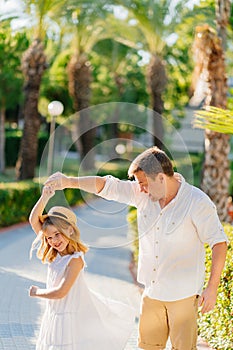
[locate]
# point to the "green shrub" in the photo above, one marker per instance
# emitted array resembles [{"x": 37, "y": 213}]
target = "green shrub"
[
  {"x": 215, "y": 327},
  {"x": 12, "y": 145},
  {"x": 133, "y": 231},
  {"x": 16, "y": 201},
  {"x": 18, "y": 198},
  {"x": 11, "y": 148},
  {"x": 121, "y": 173}
]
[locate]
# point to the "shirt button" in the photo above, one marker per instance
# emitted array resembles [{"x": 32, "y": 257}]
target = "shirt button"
[
  {"x": 153, "y": 281},
  {"x": 156, "y": 256},
  {"x": 144, "y": 216},
  {"x": 154, "y": 269},
  {"x": 157, "y": 228},
  {"x": 157, "y": 242}
]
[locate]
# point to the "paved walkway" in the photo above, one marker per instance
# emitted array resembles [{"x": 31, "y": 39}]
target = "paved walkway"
[{"x": 103, "y": 226}]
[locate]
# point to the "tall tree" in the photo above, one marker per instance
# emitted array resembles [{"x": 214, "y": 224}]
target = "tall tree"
[
  {"x": 88, "y": 24},
  {"x": 11, "y": 48},
  {"x": 210, "y": 69},
  {"x": 117, "y": 77},
  {"x": 156, "y": 20},
  {"x": 33, "y": 66},
  {"x": 223, "y": 12}
]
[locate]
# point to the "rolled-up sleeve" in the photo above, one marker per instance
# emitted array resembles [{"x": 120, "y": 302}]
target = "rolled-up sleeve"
[
  {"x": 122, "y": 191},
  {"x": 207, "y": 223}
]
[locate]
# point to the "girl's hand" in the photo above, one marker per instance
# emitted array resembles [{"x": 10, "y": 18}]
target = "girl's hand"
[
  {"x": 48, "y": 192},
  {"x": 32, "y": 291}
]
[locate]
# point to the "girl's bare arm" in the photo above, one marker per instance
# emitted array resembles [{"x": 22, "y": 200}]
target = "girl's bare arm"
[
  {"x": 38, "y": 209},
  {"x": 72, "y": 271}
]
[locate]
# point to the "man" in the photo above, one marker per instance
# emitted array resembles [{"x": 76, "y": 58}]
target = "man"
[{"x": 175, "y": 220}]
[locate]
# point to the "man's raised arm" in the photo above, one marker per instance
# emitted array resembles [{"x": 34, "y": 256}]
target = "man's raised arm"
[{"x": 92, "y": 184}]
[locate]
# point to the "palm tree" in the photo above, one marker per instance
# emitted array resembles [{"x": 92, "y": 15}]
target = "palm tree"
[
  {"x": 33, "y": 66},
  {"x": 210, "y": 66},
  {"x": 89, "y": 25},
  {"x": 155, "y": 20},
  {"x": 223, "y": 11}
]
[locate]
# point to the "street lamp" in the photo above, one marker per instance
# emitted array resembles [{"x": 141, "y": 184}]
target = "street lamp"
[{"x": 55, "y": 108}]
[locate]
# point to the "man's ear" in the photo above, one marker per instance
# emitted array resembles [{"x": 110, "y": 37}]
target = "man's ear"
[{"x": 161, "y": 177}]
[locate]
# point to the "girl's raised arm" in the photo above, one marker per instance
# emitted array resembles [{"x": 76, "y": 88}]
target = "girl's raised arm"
[{"x": 38, "y": 209}]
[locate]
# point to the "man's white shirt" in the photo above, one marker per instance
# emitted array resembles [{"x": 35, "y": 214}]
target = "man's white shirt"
[{"x": 171, "y": 262}]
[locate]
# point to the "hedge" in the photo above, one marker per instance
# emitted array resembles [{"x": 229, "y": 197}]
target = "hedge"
[
  {"x": 18, "y": 198},
  {"x": 16, "y": 201},
  {"x": 12, "y": 145},
  {"x": 216, "y": 327}
]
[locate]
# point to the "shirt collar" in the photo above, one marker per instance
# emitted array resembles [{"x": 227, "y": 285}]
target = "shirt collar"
[{"x": 182, "y": 181}]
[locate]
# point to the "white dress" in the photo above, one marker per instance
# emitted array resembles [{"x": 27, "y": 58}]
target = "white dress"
[{"x": 82, "y": 320}]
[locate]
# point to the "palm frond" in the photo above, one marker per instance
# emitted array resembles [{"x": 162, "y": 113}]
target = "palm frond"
[
  {"x": 215, "y": 119},
  {"x": 151, "y": 17}
]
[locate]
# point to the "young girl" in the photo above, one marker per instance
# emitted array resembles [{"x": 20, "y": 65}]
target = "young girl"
[{"x": 75, "y": 317}]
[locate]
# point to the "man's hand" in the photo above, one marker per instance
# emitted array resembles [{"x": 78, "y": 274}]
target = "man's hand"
[
  {"x": 207, "y": 300},
  {"x": 57, "y": 181}
]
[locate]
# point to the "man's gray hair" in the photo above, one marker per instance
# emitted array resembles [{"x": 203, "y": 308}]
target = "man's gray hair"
[{"x": 151, "y": 162}]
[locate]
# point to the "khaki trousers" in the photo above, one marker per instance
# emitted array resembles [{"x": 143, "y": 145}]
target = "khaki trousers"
[{"x": 159, "y": 320}]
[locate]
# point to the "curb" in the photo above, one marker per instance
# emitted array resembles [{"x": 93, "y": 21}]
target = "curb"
[{"x": 13, "y": 227}]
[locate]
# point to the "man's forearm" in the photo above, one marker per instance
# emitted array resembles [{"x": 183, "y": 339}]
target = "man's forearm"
[
  {"x": 218, "y": 260},
  {"x": 92, "y": 184}
]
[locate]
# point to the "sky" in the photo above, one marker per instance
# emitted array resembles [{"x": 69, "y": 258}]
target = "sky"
[{"x": 15, "y": 6}]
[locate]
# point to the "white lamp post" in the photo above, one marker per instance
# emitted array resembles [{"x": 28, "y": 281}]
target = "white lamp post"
[{"x": 55, "y": 108}]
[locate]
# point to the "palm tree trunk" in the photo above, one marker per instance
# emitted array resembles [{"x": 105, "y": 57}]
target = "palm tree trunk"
[
  {"x": 79, "y": 72},
  {"x": 216, "y": 173},
  {"x": 33, "y": 66},
  {"x": 223, "y": 10},
  {"x": 157, "y": 81}
]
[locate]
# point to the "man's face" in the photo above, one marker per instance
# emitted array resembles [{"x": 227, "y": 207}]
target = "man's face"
[{"x": 153, "y": 186}]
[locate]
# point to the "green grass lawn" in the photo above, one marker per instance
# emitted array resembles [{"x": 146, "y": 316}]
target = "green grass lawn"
[
  {"x": 190, "y": 167},
  {"x": 8, "y": 176}
]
